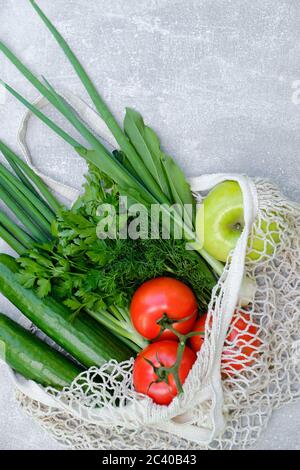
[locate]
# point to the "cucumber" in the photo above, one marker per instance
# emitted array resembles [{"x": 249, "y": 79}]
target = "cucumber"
[
  {"x": 82, "y": 337},
  {"x": 34, "y": 359}
]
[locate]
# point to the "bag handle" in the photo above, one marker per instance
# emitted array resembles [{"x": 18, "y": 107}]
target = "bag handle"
[
  {"x": 90, "y": 118},
  {"x": 66, "y": 191}
]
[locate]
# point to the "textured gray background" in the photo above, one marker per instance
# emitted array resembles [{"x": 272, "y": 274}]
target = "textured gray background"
[{"x": 219, "y": 80}]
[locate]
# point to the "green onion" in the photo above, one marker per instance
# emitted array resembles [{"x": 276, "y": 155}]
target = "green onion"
[
  {"x": 107, "y": 162},
  {"x": 9, "y": 201},
  {"x": 45, "y": 212},
  {"x": 22, "y": 177},
  {"x": 25, "y": 203},
  {"x": 11, "y": 241},
  {"x": 34, "y": 178},
  {"x": 133, "y": 157},
  {"x": 42, "y": 116},
  {"x": 16, "y": 231}
]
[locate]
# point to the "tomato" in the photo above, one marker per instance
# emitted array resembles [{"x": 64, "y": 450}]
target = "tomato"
[
  {"x": 243, "y": 332},
  {"x": 241, "y": 344},
  {"x": 197, "y": 341},
  {"x": 163, "y": 296},
  {"x": 146, "y": 378},
  {"x": 233, "y": 362}
]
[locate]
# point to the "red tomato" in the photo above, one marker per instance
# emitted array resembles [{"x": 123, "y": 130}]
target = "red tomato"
[
  {"x": 233, "y": 362},
  {"x": 243, "y": 332},
  {"x": 161, "y": 354},
  {"x": 163, "y": 295},
  {"x": 197, "y": 340},
  {"x": 241, "y": 344}
]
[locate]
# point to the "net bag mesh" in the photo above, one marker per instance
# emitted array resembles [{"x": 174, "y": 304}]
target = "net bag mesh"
[{"x": 228, "y": 396}]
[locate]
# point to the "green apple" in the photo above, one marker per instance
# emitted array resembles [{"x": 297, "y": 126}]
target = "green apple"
[
  {"x": 264, "y": 240},
  {"x": 221, "y": 221}
]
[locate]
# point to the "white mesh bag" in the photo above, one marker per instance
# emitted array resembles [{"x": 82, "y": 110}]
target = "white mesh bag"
[{"x": 226, "y": 403}]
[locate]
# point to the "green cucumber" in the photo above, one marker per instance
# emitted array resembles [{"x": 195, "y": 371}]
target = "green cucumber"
[
  {"x": 34, "y": 359},
  {"x": 82, "y": 337}
]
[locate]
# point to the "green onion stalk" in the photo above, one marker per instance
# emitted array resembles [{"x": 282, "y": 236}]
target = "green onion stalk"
[{"x": 29, "y": 200}]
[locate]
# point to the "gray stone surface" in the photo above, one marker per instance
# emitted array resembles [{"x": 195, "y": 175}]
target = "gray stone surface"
[{"x": 219, "y": 80}]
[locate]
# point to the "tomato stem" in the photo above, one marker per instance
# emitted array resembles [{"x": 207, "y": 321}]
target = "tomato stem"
[{"x": 162, "y": 371}]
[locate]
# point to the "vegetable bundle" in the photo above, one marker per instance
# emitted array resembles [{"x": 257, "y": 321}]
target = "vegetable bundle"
[
  {"x": 72, "y": 283},
  {"x": 94, "y": 278}
]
